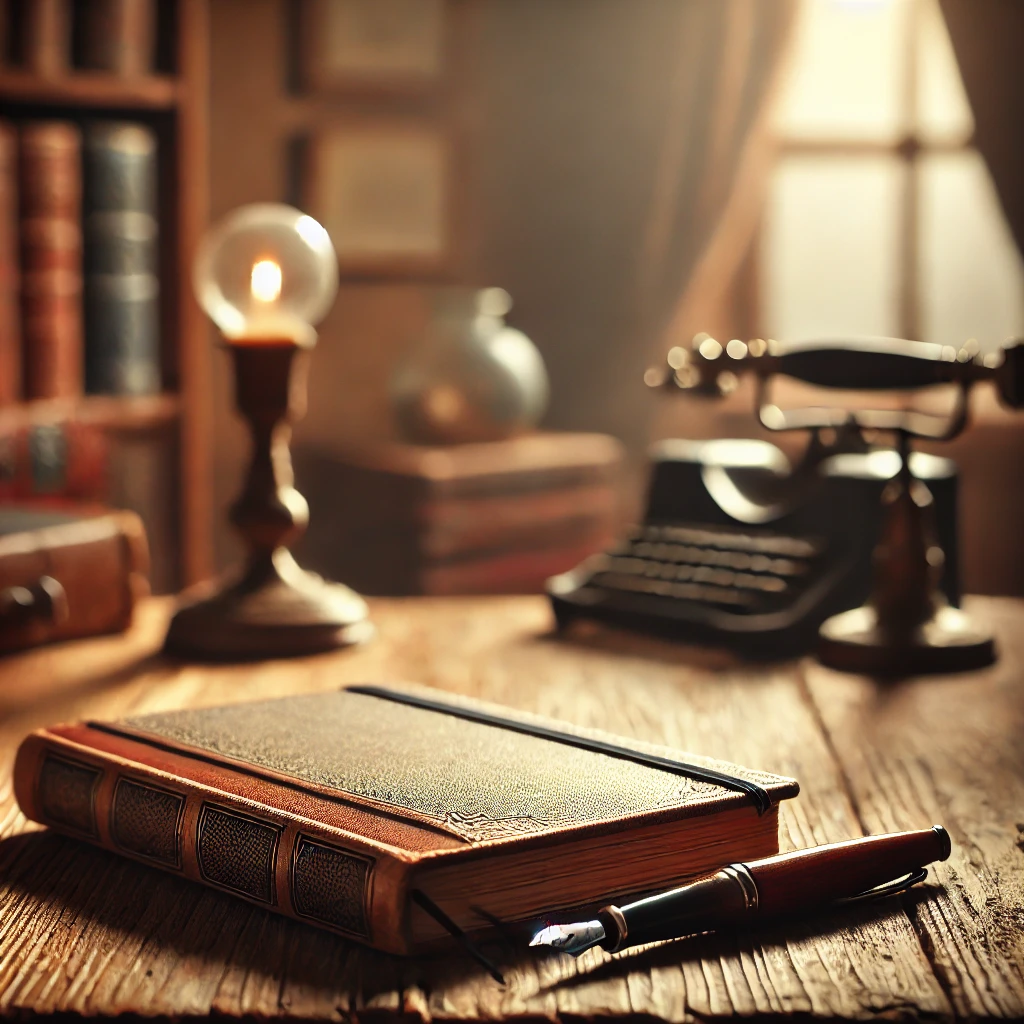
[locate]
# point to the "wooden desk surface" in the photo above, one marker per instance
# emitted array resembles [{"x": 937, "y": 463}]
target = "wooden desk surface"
[{"x": 85, "y": 931}]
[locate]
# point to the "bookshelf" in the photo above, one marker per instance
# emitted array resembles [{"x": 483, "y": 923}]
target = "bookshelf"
[
  {"x": 168, "y": 434},
  {"x": 91, "y": 89}
]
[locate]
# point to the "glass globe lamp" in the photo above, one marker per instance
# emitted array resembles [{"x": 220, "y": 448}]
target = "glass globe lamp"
[
  {"x": 266, "y": 271},
  {"x": 266, "y": 275}
]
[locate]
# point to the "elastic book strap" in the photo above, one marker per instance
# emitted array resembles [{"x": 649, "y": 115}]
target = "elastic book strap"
[{"x": 758, "y": 794}]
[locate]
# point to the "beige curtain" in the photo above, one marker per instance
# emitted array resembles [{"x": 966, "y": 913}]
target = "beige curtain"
[
  {"x": 620, "y": 140},
  {"x": 988, "y": 36}
]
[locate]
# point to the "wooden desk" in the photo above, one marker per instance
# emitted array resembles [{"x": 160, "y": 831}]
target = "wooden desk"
[{"x": 84, "y": 931}]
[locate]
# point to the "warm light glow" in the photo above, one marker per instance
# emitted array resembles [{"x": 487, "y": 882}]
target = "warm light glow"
[
  {"x": 266, "y": 281},
  {"x": 710, "y": 349}
]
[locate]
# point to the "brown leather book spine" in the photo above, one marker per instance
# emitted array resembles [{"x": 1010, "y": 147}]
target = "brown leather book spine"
[
  {"x": 267, "y": 857},
  {"x": 46, "y": 36},
  {"x": 10, "y": 326},
  {"x": 51, "y": 257},
  {"x": 101, "y": 564},
  {"x": 119, "y": 36},
  {"x": 46, "y": 460}
]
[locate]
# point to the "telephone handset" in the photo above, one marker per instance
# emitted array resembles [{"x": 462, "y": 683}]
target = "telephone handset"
[{"x": 738, "y": 548}]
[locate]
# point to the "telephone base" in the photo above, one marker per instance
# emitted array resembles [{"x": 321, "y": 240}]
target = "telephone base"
[{"x": 949, "y": 641}]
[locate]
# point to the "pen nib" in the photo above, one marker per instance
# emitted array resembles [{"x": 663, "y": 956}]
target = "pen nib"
[{"x": 570, "y": 938}]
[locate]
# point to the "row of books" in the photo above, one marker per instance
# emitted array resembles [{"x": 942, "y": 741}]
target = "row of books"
[
  {"x": 79, "y": 285},
  {"x": 51, "y": 37}
]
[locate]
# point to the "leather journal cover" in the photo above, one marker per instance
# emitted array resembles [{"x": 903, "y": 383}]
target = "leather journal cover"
[{"x": 336, "y": 808}]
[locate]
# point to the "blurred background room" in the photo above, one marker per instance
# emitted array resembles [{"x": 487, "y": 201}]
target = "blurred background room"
[{"x": 630, "y": 172}]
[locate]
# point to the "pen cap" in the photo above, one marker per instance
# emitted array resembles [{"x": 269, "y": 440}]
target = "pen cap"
[{"x": 840, "y": 870}]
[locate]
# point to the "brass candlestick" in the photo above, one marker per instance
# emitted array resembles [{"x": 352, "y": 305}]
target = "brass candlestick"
[{"x": 264, "y": 276}]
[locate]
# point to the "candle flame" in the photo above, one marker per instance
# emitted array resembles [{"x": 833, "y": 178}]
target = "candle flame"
[{"x": 266, "y": 281}]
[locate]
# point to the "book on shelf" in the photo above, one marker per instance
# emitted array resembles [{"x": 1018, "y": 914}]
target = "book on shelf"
[
  {"x": 119, "y": 36},
  {"x": 69, "y": 572},
  {"x": 122, "y": 289},
  {"x": 499, "y": 517},
  {"x": 10, "y": 318},
  {"x": 45, "y": 36},
  {"x": 337, "y": 808},
  {"x": 50, "y": 188},
  {"x": 47, "y": 459}
]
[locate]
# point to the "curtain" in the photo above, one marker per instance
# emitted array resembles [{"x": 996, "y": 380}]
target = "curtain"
[
  {"x": 618, "y": 146},
  {"x": 987, "y": 37}
]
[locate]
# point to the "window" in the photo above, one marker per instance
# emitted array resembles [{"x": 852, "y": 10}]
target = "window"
[{"x": 881, "y": 216}]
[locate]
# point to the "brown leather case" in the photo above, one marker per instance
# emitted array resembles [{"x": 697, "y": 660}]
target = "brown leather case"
[
  {"x": 329, "y": 807},
  {"x": 97, "y": 560}
]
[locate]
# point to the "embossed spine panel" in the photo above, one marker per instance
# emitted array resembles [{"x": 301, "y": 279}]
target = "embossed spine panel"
[{"x": 345, "y": 885}]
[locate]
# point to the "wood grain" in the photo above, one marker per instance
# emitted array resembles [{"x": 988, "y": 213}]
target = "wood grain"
[
  {"x": 86, "y": 932},
  {"x": 949, "y": 750}
]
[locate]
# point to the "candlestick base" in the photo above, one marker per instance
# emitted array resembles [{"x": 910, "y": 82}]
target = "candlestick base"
[{"x": 275, "y": 610}]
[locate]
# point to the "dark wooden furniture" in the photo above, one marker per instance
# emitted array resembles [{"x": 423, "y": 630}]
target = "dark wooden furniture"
[
  {"x": 86, "y": 932},
  {"x": 175, "y": 426}
]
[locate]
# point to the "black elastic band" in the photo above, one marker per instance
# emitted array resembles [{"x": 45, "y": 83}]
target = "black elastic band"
[
  {"x": 760, "y": 796},
  {"x": 422, "y": 900}
]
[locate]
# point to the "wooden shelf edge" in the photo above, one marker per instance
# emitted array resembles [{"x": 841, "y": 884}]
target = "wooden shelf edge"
[
  {"x": 89, "y": 89},
  {"x": 108, "y": 412}
]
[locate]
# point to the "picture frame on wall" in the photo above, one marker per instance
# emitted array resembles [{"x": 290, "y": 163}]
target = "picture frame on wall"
[
  {"x": 374, "y": 45},
  {"x": 384, "y": 192}
]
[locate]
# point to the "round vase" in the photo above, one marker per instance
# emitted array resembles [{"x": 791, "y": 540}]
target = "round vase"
[{"x": 472, "y": 377}]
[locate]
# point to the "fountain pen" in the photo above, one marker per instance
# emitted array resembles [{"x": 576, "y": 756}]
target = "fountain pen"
[{"x": 791, "y": 883}]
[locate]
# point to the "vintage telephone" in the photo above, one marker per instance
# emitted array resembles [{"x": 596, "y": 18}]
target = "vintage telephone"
[{"x": 847, "y": 551}]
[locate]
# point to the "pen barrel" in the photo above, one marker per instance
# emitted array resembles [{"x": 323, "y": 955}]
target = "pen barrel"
[
  {"x": 809, "y": 878},
  {"x": 708, "y": 903},
  {"x": 789, "y": 883}
]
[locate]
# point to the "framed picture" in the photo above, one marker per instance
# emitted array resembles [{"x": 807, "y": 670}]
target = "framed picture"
[
  {"x": 383, "y": 191},
  {"x": 367, "y": 45}
]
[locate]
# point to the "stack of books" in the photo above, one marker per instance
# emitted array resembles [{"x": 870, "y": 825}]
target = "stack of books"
[{"x": 498, "y": 517}]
